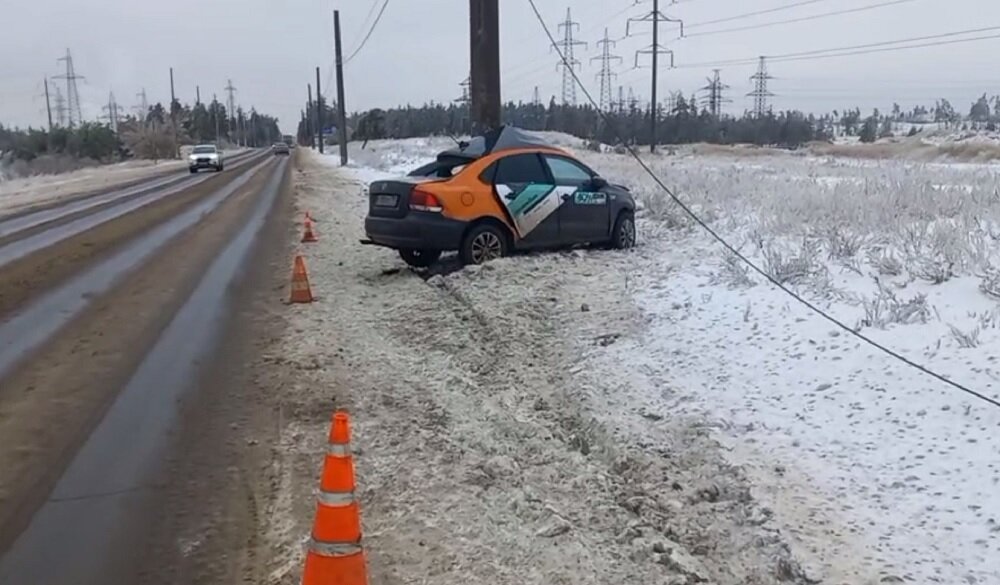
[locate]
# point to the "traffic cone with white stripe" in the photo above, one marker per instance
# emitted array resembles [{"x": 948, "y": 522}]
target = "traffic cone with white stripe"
[{"x": 335, "y": 555}]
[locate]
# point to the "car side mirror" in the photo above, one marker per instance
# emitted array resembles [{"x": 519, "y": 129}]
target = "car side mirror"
[{"x": 599, "y": 182}]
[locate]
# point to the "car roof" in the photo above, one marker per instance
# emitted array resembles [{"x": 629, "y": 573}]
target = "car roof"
[{"x": 505, "y": 138}]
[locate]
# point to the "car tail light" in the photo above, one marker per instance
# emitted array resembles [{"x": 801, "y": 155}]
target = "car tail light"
[{"x": 424, "y": 201}]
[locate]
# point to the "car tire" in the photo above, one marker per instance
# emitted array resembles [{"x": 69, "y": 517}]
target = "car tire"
[
  {"x": 420, "y": 258},
  {"x": 623, "y": 234},
  {"x": 219, "y": 168},
  {"x": 193, "y": 171},
  {"x": 483, "y": 243}
]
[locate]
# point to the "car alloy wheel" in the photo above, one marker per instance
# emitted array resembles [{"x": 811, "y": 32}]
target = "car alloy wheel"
[
  {"x": 486, "y": 246},
  {"x": 626, "y": 237}
]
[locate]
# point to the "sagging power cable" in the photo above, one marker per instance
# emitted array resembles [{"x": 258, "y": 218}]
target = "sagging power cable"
[{"x": 729, "y": 247}]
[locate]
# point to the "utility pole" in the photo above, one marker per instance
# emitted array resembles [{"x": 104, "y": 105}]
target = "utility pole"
[
  {"x": 655, "y": 50},
  {"x": 715, "y": 99},
  {"x": 74, "y": 113},
  {"x": 621, "y": 99},
  {"x": 760, "y": 92},
  {"x": 197, "y": 95},
  {"x": 569, "y": 62},
  {"x": 606, "y": 74},
  {"x": 310, "y": 126},
  {"x": 215, "y": 114},
  {"x": 536, "y": 98},
  {"x": 230, "y": 106},
  {"x": 319, "y": 112},
  {"x": 341, "y": 108},
  {"x": 173, "y": 115},
  {"x": 484, "y": 32},
  {"x": 48, "y": 105}
]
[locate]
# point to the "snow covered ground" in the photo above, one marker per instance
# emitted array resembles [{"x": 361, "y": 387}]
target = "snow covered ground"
[{"x": 715, "y": 410}]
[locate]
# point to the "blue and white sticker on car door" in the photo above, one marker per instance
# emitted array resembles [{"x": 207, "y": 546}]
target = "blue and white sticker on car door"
[{"x": 532, "y": 204}]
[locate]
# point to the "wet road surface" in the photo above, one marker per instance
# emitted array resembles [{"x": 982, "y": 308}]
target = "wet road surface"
[{"x": 80, "y": 533}]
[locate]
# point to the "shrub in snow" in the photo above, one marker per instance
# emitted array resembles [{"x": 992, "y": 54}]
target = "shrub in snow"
[
  {"x": 733, "y": 272},
  {"x": 792, "y": 269},
  {"x": 885, "y": 309},
  {"x": 965, "y": 340},
  {"x": 990, "y": 282},
  {"x": 885, "y": 262}
]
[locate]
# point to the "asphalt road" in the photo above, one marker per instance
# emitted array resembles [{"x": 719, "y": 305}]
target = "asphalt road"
[{"x": 121, "y": 316}]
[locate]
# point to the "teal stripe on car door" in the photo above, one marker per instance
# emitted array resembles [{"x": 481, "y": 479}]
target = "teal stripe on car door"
[{"x": 528, "y": 198}]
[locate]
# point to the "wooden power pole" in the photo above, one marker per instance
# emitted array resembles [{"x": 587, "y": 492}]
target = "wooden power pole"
[
  {"x": 310, "y": 129},
  {"x": 341, "y": 108},
  {"x": 484, "y": 29},
  {"x": 48, "y": 105},
  {"x": 319, "y": 112}
]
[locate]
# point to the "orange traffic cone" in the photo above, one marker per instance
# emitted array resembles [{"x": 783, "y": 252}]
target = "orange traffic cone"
[
  {"x": 301, "y": 292},
  {"x": 335, "y": 555},
  {"x": 308, "y": 236}
]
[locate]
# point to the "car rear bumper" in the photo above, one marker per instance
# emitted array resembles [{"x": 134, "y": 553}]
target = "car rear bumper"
[{"x": 416, "y": 231}]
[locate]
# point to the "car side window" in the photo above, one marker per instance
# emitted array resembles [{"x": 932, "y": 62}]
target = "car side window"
[
  {"x": 519, "y": 169},
  {"x": 567, "y": 172}
]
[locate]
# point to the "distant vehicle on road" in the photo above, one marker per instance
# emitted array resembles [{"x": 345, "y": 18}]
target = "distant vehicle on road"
[
  {"x": 508, "y": 190},
  {"x": 279, "y": 148},
  {"x": 205, "y": 156}
]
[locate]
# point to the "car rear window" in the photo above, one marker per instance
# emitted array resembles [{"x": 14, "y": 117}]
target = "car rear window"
[{"x": 520, "y": 168}]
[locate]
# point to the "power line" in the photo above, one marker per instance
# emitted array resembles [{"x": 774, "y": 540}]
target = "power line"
[
  {"x": 364, "y": 41},
  {"x": 757, "y": 13},
  {"x": 731, "y": 249},
  {"x": 852, "y": 49},
  {"x": 371, "y": 12},
  {"x": 801, "y": 18}
]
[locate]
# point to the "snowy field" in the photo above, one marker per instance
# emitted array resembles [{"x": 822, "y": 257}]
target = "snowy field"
[{"x": 872, "y": 470}]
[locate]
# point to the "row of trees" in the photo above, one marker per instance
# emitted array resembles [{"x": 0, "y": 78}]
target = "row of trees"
[
  {"x": 685, "y": 124},
  {"x": 147, "y": 135}
]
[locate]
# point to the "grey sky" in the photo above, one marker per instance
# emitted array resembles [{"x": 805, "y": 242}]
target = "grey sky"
[{"x": 419, "y": 51}]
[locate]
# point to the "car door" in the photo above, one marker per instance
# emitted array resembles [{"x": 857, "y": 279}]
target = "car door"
[
  {"x": 522, "y": 186},
  {"x": 584, "y": 215}
]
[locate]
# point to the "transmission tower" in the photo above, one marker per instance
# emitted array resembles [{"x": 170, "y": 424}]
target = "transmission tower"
[
  {"x": 633, "y": 102},
  {"x": 231, "y": 104},
  {"x": 465, "y": 85},
  {"x": 60, "y": 108},
  {"x": 671, "y": 102},
  {"x": 606, "y": 74},
  {"x": 760, "y": 92},
  {"x": 143, "y": 107},
  {"x": 536, "y": 98},
  {"x": 620, "y": 104},
  {"x": 714, "y": 100},
  {"x": 569, "y": 63},
  {"x": 73, "y": 111},
  {"x": 112, "y": 113},
  {"x": 654, "y": 50}
]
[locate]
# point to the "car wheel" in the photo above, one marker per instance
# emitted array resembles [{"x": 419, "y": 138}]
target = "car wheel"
[
  {"x": 483, "y": 243},
  {"x": 219, "y": 168},
  {"x": 623, "y": 236},
  {"x": 420, "y": 258},
  {"x": 193, "y": 171}
]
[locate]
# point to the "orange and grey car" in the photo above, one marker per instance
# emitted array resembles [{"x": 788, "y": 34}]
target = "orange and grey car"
[{"x": 504, "y": 191}]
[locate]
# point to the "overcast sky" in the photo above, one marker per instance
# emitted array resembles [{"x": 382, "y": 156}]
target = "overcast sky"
[{"x": 419, "y": 51}]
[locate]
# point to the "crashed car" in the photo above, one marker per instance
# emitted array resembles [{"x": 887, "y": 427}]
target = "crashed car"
[{"x": 505, "y": 191}]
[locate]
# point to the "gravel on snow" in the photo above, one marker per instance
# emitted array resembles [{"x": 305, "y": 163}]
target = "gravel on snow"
[{"x": 494, "y": 423}]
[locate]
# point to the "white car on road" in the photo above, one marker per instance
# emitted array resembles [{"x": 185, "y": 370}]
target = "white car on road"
[{"x": 205, "y": 156}]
